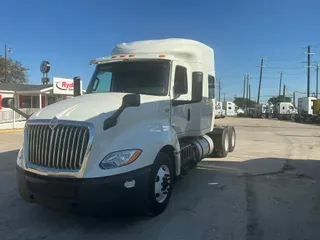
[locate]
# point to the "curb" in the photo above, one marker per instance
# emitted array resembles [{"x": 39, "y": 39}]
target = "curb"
[{"x": 11, "y": 130}]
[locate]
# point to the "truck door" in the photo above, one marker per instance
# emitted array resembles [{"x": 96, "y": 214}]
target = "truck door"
[
  {"x": 181, "y": 90},
  {"x": 210, "y": 102}
]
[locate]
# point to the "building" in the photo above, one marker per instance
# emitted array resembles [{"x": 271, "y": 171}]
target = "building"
[
  {"x": 37, "y": 96},
  {"x": 30, "y": 98},
  {"x": 27, "y": 95}
]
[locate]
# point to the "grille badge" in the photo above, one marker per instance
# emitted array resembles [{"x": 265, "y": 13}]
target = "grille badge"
[{"x": 53, "y": 123}]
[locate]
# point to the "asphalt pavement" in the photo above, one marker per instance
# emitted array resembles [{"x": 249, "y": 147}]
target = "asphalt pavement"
[{"x": 268, "y": 188}]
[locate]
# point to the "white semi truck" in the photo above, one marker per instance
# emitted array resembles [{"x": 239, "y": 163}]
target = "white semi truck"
[
  {"x": 146, "y": 117},
  {"x": 284, "y": 111},
  {"x": 230, "y": 108},
  {"x": 219, "y": 111},
  {"x": 258, "y": 111}
]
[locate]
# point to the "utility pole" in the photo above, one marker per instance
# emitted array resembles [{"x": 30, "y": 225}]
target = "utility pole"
[
  {"x": 247, "y": 87},
  {"x": 308, "y": 76},
  {"x": 317, "y": 74},
  {"x": 260, "y": 79},
  {"x": 5, "y": 63},
  {"x": 224, "y": 97},
  {"x": 249, "y": 96},
  {"x": 284, "y": 92},
  {"x": 6, "y": 51},
  {"x": 294, "y": 98},
  {"x": 219, "y": 90},
  {"x": 244, "y": 86},
  {"x": 280, "y": 85}
]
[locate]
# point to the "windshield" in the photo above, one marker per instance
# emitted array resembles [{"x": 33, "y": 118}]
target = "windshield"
[{"x": 142, "y": 77}]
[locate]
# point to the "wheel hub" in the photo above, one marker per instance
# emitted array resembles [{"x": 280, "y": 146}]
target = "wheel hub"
[{"x": 162, "y": 184}]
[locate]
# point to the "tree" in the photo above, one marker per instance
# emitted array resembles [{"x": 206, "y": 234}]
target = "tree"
[
  {"x": 242, "y": 102},
  {"x": 16, "y": 73},
  {"x": 280, "y": 98}
]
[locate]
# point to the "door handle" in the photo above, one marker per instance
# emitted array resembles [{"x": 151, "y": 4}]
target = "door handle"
[{"x": 188, "y": 114}]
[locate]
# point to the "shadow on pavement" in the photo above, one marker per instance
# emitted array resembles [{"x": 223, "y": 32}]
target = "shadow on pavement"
[{"x": 228, "y": 195}]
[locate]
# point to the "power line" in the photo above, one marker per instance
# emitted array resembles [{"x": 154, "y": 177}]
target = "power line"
[
  {"x": 265, "y": 77},
  {"x": 296, "y": 91},
  {"x": 281, "y": 68}
]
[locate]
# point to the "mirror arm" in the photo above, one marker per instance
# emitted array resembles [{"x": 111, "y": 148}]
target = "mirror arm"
[
  {"x": 113, "y": 120},
  {"x": 27, "y": 116}
]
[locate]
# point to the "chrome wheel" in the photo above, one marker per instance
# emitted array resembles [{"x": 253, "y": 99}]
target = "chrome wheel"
[{"x": 162, "y": 184}]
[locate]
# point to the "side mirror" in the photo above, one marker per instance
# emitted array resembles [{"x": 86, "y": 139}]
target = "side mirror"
[
  {"x": 197, "y": 86},
  {"x": 76, "y": 86},
  {"x": 7, "y": 102},
  {"x": 131, "y": 100}
]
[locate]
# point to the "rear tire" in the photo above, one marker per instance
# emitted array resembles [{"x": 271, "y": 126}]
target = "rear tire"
[
  {"x": 160, "y": 184},
  {"x": 220, "y": 138},
  {"x": 232, "y": 138}
]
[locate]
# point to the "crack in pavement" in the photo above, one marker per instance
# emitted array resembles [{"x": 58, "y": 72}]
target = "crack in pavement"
[{"x": 253, "y": 229}]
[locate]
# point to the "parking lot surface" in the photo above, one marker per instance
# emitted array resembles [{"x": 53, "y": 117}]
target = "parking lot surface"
[{"x": 268, "y": 188}]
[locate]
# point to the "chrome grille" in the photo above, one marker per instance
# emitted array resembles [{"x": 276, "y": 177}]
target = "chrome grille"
[{"x": 61, "y": 148}]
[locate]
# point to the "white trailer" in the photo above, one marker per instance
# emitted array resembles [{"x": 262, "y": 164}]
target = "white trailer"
[
  {"x": 305, "y": 109},
  {"x": 305, "y": 105},
  {"x": 230, "y": 108},
  {"x": 146, "y": 117}
]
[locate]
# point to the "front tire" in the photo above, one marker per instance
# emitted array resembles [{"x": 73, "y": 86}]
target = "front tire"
[{"x": 160, "y": 184}]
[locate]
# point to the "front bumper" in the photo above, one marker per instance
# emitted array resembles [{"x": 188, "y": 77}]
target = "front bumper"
[{"x": 101, "y": 194}]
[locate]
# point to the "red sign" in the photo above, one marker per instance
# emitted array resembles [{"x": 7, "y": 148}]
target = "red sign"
[{"x": 63, "y": 85}]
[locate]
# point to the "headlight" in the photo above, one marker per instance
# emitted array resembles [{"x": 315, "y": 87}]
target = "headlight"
[
  {"x": 120, "y": 158},
  {"x": 20, "y": 158}
]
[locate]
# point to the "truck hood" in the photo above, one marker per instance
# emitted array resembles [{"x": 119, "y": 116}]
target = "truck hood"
[{"x": 90, "y": 106}]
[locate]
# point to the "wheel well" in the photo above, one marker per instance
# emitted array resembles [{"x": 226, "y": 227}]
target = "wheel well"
[{"x": 169, "y": 150}]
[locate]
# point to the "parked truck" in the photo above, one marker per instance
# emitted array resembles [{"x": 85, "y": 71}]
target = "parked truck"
[
  {"x": 230, "y": 108},
  {"x": 269, "y": 110},
  {"x": 305, "y": 110},
  {"x": 316, "y": 108},
  {"x": 146, "y": 117},
  {"x": 259, "y": 111},
  {"x": 219, "y": 111},
  {"x": 284, "y": 111}
]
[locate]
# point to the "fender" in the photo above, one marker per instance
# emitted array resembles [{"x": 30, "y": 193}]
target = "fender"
[{"x": 148, "y": 136}]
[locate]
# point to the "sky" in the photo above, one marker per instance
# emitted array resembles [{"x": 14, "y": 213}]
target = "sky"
[{"x": 70, "y": 33}]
